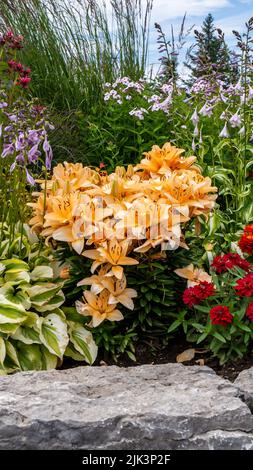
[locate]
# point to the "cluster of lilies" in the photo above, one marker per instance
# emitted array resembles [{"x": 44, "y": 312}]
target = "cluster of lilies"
[{"x": 129, "y": 211}]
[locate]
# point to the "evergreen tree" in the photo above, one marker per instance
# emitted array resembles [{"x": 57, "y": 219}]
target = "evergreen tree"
[{"x": 210, "y": 53}]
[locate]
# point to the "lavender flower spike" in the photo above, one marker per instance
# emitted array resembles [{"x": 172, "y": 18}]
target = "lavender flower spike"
[
  {"x": 195, "y": 117},
  {"x": 29, "y": 178},
  {"x": 206, "y": 110},
  {"x": 224, "y": 133},
  {"x": 235, "y": 120},
  {"x": 8, "y": 150}
]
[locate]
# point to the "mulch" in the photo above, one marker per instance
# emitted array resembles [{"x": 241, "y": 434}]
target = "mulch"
[{"x": 153, "y": 353}]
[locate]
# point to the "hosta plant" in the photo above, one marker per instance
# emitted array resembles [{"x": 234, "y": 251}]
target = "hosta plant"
[{"x": 34, "y": 330}]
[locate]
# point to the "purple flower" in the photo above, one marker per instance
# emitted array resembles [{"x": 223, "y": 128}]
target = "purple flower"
[
  {"x": 250, "y": 94},
  {"x": 242, "y": 131},
  {"x": 3, "y": 104},
  {"x": 49, "y": 153},
  {"x": 12, "y": 117},
  {"x": 195, "y": 117},
  {"x": 139, "y": 113},
  {"x": 12, "y": 167},
  {"x": 196, "y": 131},
  {"x": 33, "y": 154},
  {"x": 20, "y": 142},
  {"x": 193, "y": 145},
  {"x": 29, "y": 178},
  {"x": 20, "y": 158},
  {"x": 206, "y": 110},
  {"x": 235, "y": 120},
  {"x": 223, "y": 115},
  {"x": 224, "y": 133},
  {"x": 8, "y": 128},
  {"x": 8, "y": 150}
]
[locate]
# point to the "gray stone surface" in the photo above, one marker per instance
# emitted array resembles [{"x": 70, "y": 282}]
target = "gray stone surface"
[
  {"x": 245, "y": 382},
  {"x": 167, "y": 407}
]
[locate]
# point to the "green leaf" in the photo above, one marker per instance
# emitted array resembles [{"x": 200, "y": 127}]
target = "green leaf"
[
  {"x": 17, "y": 277},
  {"x": 244, "y": 327},
  {"x": 174, "y": 326},
  {"x": 83, "y": 342},
  {"x": 49, "y": 361},
  {"x": 12, "y": 353},
  {"x": 55, "y": 302},
  {"x": 10, "y": 312},
  {"x": 202, "y": 337},
  {"x": 41, "y": 293},
  {"x": 2, "y": 351},
  {"x": 219, "y": 337},
  {"x": 53, "y": 334},
  {"x": 30, "y": 357},
  {"x": 72, "y": 352},
  {"x": 15, "y": 264},
  {"x": 131, "y": 355},
  {"x": 42, "y": 272},
  {"x": 26, "y": 335}
]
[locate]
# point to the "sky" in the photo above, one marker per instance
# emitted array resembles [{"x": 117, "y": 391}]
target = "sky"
[{"x": 228, "y": 15}]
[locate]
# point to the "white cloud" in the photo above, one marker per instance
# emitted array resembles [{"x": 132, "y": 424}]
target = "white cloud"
[{"x": 164, "y": 10}]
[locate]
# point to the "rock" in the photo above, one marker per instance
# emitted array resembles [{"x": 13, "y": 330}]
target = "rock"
[
  {"x": 168, "y": 407},
  {"x": 245, "y": 383}
]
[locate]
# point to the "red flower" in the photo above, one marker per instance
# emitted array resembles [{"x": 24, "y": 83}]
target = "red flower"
[
  {"x": 249, "y": 312},
  {"x": 223, "y": 263},
  {"x": 250, "y": 175},
  {"x": 24, "y": 81},
  {"x": 194, "y": 295},
  {"x": 246, "y": 240},
  {"x": 102, "y": 165},
  {"x": 244, "y": 287},
  {"x": 9, "y": 36},
  {"x": 26, "y": 72},
  {"x": 12, "y": 64},
  {"x": 220, "y": 315}
]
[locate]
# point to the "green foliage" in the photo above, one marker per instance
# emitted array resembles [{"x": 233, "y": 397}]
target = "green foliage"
[
  {"x": 229, "y": 341},
  {"x": 35, "y": 333}
]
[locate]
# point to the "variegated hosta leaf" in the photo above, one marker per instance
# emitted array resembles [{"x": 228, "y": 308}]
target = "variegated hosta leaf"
[
  {"x": 8, "y": 328},
  {"x": 30, "y": 357},
  {"x": 2, "y": 350},
  {"x": 16, "y": 264},
  {"x": 16, "y": 297},
  {"x": 26, "y": 335},
  {"x": 53, "y": 333},
  {"x": 56, "y": 301},
  {"x": 41, "y": 293},
  {"x": 49, "y": 361},
  {"x": 17, "y": 277},
  {"x": 41, "y": 272},
  {"x": 83, "y": 342},
  {"x": 12, "y": 353},
  {"x": 11, "y": 312}
]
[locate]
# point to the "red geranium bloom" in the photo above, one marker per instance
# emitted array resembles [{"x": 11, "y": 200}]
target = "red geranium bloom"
[
  {"x": 220, "y": 315},
  {"x": 246, "y": 240},
  {"x": 249, "y": 312},
  {"x": 244, "y": 287},
  {"x": 223, "y": 263},
  {"x": 194, "y": 295}
]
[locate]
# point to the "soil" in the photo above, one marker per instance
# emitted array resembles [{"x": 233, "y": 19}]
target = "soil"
[{"x": 147, "y": 353}]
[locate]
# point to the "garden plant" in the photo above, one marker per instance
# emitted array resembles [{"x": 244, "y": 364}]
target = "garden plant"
[{"x": 126, "y": 208}]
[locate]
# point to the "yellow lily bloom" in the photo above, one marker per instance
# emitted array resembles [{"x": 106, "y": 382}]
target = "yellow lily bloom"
[
  {"x": 98, "y": 308},
  {"x": 193, "y": 275},
  {"x": 113, "y": 252}
]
